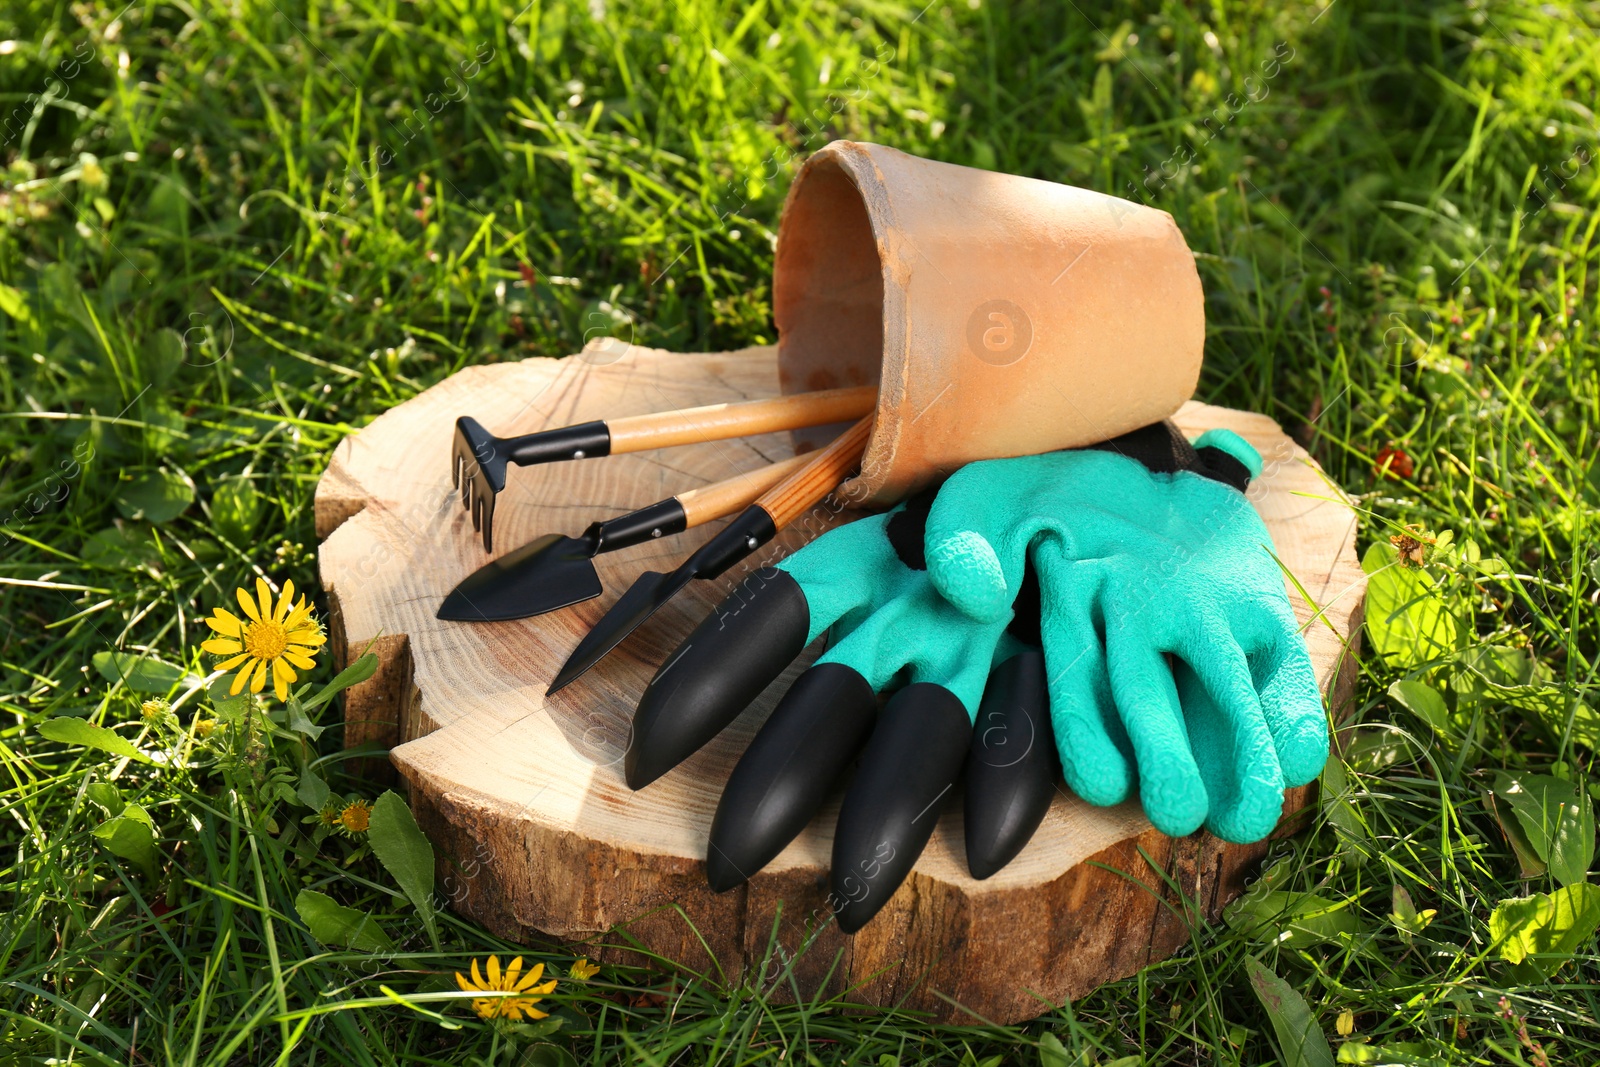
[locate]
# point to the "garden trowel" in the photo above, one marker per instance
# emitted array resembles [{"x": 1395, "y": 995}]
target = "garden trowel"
[{"x": 556, "y": 571}]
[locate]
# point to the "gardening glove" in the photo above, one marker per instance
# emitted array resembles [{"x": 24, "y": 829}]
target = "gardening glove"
[
  {"x": 864, "y": 586},
  {"x": 1144, "y": 551}
]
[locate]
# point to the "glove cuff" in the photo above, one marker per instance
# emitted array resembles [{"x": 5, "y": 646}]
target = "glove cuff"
[
  {"x": 1225, "y": 445},
  {"x": 1221, "y": 455}
]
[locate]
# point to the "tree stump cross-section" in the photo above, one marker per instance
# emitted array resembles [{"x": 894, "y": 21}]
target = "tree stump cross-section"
[{"x": 537, "y": 834}]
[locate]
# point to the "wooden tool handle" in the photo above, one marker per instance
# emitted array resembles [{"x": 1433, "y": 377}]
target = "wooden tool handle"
[
  {"x": 716, "y": 422},
  {"x": 735, "y": 494},
  {"x": 826, "y": 469}
]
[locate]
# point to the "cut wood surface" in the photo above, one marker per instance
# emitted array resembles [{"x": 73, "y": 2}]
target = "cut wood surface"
[{"x": 538, "y": 835}]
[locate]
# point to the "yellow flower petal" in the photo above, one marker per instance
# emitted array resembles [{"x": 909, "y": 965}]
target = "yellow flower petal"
[
  {"x": 305, "y": 663},
  {"x": 228, "y": 665},
  {"x": 247, "y": 605},
  {"x": 259, "y": 681},
  {"x": 282, "y": 676},
  {"x": 264, "y": 595},
  {"x": 225, "y": 623},
  {"x": 511, "y": 974},
  {"x": 530, "y": 978},
  {"x": 477, "y": 978},
  {"x": 548, "y": 987},
  {"x": 308, "y": 638},
  {"x": 494, "y": 972},
  {"x": 285, "y": 600},
  {"x": 222, "y": 646},
  {"x": 466, "y": 987},
  {"x": 535, "y": 1013},
  {"x": 240, "y": 678}
]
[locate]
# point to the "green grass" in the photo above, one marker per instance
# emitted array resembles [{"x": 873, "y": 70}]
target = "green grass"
[{"x": 234, "y": 233}]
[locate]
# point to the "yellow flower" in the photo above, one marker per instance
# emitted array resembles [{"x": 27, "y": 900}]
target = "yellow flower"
[
  {"x": 151, "y": 710},
  {"x": 1346, "y": 1023},
  {"x": 582, "y": 969},
  {"x": 355, "y": 816},
  {"x": 507, "y": 1007},
  {"x": 203, "y": 727},
  {"x": 267, "y": 640}
]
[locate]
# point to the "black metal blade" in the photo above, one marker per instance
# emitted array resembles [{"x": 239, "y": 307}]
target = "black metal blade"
[
  {"x": 643, "y": 599},
  {"x": 749, "y": 531},
  {"x": 543, "y": 575}
]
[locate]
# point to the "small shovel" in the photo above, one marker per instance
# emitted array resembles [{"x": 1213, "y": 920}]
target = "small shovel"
[
  {"x": 555, "y": 571},
  {"x": 754, "y": 527},
  {"x": 479, "y": 459}
]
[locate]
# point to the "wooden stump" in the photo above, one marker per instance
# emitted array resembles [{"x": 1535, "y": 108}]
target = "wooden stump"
[{"x": 524, "y": 798}]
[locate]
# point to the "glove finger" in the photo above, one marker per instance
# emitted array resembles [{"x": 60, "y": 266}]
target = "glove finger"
[
  {"x": 788, "y": 770},
  {"x": 721, "y": 667},
  {"x": 1291, "y": 701},
  {"x": 1228, "y": 736},
  {"x": 911, "y": 761},
  {"x": 1011, "y": 765},
  {"x": 1090, "y": 738},
  {"x": 919, "y": 633},
  {"x": 1170, "y": 788},
  {"x": 976, "y": 547}
]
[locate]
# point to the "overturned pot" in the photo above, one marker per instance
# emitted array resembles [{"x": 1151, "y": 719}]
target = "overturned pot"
[{"x": 999, "y": 315}]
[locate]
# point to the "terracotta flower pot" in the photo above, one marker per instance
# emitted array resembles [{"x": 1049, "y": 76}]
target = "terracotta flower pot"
[{"x": 1000, "y": 315}]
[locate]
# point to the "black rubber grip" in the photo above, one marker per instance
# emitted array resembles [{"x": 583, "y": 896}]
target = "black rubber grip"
[
  {"x": 748, "y": 531},
  {"x": 658, "y": 520},
  {"x": 788, "y": 770},
  {"x": 1012, "y": 766},
  {"x": 586, "y": 440},
  {"x": 910, "y": 764},
  {"x": 719, "y": 669}
]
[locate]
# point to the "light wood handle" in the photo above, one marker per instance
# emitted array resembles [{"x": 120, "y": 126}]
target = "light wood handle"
[
  {"x": 790, "y": 499},
  {"x": 717, "y": 422},
  {"x": 725, "y": 498}
]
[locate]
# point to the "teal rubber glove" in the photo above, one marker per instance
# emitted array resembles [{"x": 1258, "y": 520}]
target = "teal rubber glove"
[
  {"x": 889, "y": 630},
  {"x": 885, "y": 620},
  {"x": 1135, "y": 565}
]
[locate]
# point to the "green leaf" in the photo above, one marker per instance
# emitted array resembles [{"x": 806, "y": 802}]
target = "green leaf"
[
  {"x": 122, "y": 548},
  {"x": 299, "y": 723},
  {"x": 227, "y": 708},
  {"x": 131, "y": 835},
  {"x": 1300, "y": 1042},
  {"x": 1538, "y": 934},
  {"x": 1297, "y": 920},
  {"x": 1406, "y": 1054},
  {"x": 108, "y": 796},
  {"x": 1405, "y": 616},
  {"x": 334, "y": 924},
  {"x": 1556, "y": 819},
  {"x": 1572, "y": 846},
  {"x": 1426, "y": 703},
  {"x": 236, "y": 507},
  {"x": 405, "y": 853},
  {"x": 1405, "y": 916},
  {"x": 14, "y": 303},
  {"x": 545, "y": 1054},
  {"x": 142, "y": 674},
  {"x": 313, "y": 791},
  {"x": 356, "y": 673},
  {"x": 1528, "y": 862},
  {"x": 1052, "y": 1053},
  {"x": 77, "y": 732},
  {"x": 157, "y": 497}
]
